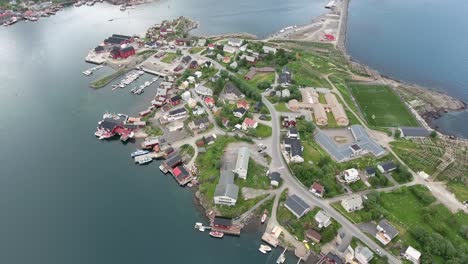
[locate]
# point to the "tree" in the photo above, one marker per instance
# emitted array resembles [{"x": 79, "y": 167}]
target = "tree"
[
  {"x": 433, "y": 134},
  {"x": 397, "y": 134},
  {"x": 179, "y": 52}
]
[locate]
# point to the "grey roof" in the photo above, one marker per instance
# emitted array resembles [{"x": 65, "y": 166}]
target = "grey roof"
[
  {"x": 388, "y": 228},
  {"x": 224, "y": 221},
  {"x": 236, "y": 40},
  {"x": 202, "y": 120},
  {"x": 231, "y": 88},
  {"x": 293, "y": 130},
  {"x": 228, "y": 190},
  {"x": 239, "y": 110},
  {"x": 388, "y": 166},
  {"x": 365, "y": 252},
  {"x": 284, "y": 78},
  {"x": 414, "y": 132},
  {"x": 322, "y": 217},
  {"x": 177, "y": 111},
  {"x": 227, "y": 177},
  {"x": 173, "y": 160},
  {"x": 275, "y": 176},
  {"x": 344, "y": 152},
  {"x": 370, "y": 170},
  {"x": 243, "y": 158},
  {"x": 296, "y": 148},
  {"x": 297, "y": 205}
]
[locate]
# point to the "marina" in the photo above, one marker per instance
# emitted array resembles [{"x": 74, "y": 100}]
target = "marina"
[{"x": 90, "y": 71}]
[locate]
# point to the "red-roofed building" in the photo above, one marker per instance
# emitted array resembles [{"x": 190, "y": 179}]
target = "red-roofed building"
[
  {"x": 317, "y": 189},
  {"x": 211, "y": 46},
  {"x": 243, "y": 104},
  {"x": 209, "y": 101},
  {"x": 249, "y": 123},
  {"x": 329, "y": 37},
  {"x": 226, "y": 59}
]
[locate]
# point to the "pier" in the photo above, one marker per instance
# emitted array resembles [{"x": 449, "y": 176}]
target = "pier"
[{"x": 153, "y": 72}]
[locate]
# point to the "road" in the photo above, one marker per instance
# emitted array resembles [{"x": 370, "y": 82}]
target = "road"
[{"x": 298, "y": 188}]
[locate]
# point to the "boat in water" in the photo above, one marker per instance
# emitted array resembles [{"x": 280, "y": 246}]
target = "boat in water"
[
  {"x": 264, "y": 249},
  {"x": 216, "y": 234},
  {"x": 143, "y": 159},
  {"x": 139, "y": 152},
  {"x": 163, "y": 169},
  {"x": 264, "y": 217}
]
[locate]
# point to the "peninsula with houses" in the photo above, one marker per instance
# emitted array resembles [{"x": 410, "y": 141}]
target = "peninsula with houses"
[{"x": 335, "y": 161}]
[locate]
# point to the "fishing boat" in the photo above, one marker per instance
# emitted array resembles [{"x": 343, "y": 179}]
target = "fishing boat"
[
  {"x": 139, "y": 152},
  {"x": 265, "y": 247},
  {"x": 216, "y": 234},
  {"x": 264, "y": 216},
  {"x": 143, "y": 159},
  {"x": 163, "y": 169}
]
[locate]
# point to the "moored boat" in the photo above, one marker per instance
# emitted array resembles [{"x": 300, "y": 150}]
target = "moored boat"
[
  {"x": 163, "y": 169},
  {"x": 216, "y": 234},
  {"x": 139, "y": 152},
  {"x": 264, "y": 216}
]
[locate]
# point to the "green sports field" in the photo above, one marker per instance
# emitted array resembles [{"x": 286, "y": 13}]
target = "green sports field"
[{"x": 381, "y": 106}]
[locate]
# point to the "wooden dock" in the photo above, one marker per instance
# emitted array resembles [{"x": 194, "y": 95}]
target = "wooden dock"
[{"x": 270, "y": 239}]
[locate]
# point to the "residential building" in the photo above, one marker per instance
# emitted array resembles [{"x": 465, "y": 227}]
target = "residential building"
[
  {"x": 178, "y": 113},
  {"x": 233, "y": 65},
  {"x": 249, "y": 123},
  {"x": 285, "y": 77},
  {"x": 191, "y": 79},
  {"x": 385, "y": 232},
  {"x": 387, "y": 167},
  {"x": 226, "y": 192},
  {"x": 322, "y": 219},
  {"x": 186, "y": 95},
  {"x": 332, "y": 258},
  {"x": 292, "y": 133},
  {"x": 412, "y": 255},
  {"x": 352, "y": 204},
  {"x": 296, "y": 205},
  {"x": 363, "y": 254},
  {"x": 226, "y": 59},
  {"x": 200, "y": 124},
  {"x": 275, "y": 178},
  {"x": 175, "y": 100},
  {"x": 370, "y": 171},
  {"x": 198, "y": 111},
  {"x": 229, "y": 49},
  {"x": 242, "y": 164},
  {"x": 209, "y": 101},
  {"x": 184, "y": 85},
  {"x": 203, "y": 90},
  {"x": 285, "y": 93},
  {"x": 414, "y": 132},
  {"x": 239, "y": 112},
  {"x": 211, "y": 46},
  {"x": 235, "y": 42},
  {"x": 243, "y": 104},
  {"x": 231, "y": 92},
  {"x": 294, "y": 148},
  {"x": 201, "y": 42},
  {"x": 313, "y": 235},
  {"x": 317, "y": 189},
  {"x": 175, "y": 126},
  {"x": 350, "y": 175},
  {"x": 267, "y": 49},
  {"x": 194, "y": 65},
  {"x": 258, "y": 106}
]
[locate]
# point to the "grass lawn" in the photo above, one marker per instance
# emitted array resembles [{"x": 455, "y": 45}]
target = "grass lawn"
[
  {"x": 195, "y": 50},
  {"x": 187, "y": 149},
  {"x": 169, "y": 57},
  {"x": 262, "y": 77},
  {"x": 241, "y": 206},
  {"x": 304, "y": 74},
  {"x": 331, "y": 120},
  {"x": 256, "y": 177},
  {"x": 263, "y": 131},
  {"x": 358, "y": 186},
  {"x": 381, "y": 106},
  {"x": 322, "y": 99},
  {"x": 460, "y": 190},
  {"x": 152, "y": 130},
  {"x": 281, "y": 107}
]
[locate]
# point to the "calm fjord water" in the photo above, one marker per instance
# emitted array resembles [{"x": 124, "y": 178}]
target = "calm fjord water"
[{"x": 66, "y": 197}]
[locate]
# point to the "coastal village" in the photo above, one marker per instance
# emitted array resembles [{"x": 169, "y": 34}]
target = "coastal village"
[
  {"x": 331, "y": 160},
  {"x": 15, "y": 11}
]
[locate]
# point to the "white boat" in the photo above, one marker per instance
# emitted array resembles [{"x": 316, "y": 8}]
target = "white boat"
[
  {"x": 262, "y": 250},
  {"x": 163, "y": 169},
  {"x": 265, "y": 247},
  {"x": 264, "y": 216}
]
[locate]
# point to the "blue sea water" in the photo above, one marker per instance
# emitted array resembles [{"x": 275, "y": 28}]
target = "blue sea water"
[{"x": 417, "y": 41}]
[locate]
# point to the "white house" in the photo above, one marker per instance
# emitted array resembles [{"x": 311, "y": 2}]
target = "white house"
[
  {"x": 412, "y": 255},
  {"x": 186, "y": 96},
  {"x": 350, "y": 175},
  {"x": 242, "y": 164},
  {"x": 239, "y": 112},
  {"x": 352, "y": 204},
  {"x": 385, "y": 232},
  {"x": 198, "y": 111},
  {"x": 267, "y": 49},
  {"x": 229, "y": 49},
  {"x": 191, "y": 79},
  {"x": 235, "y": 42},
  {"x": 184, "y": 85},
  {"x": 203, "y": 90},
  {"x": 363, "y": 255},
  {"x": 285, "y": 93},
  {"x": 198, "y": 74},
  {"x": 322, "y": 219}
]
